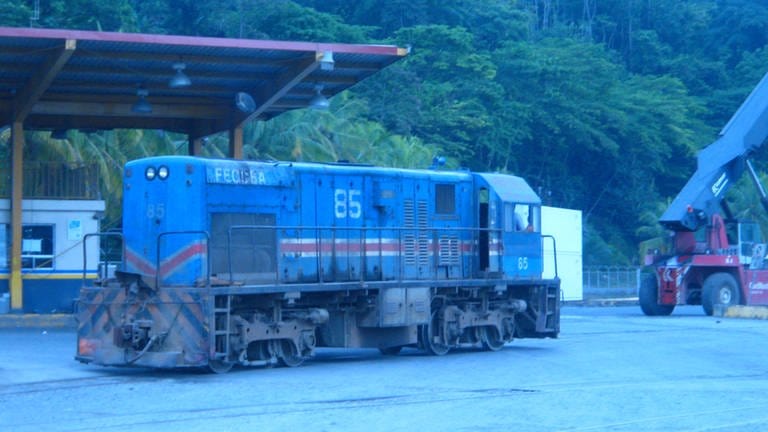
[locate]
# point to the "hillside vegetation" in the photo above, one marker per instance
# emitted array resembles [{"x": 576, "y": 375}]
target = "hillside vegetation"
[{"x": 600, "y": 104}]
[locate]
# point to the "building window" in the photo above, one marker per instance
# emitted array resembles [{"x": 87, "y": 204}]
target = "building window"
[
  {"x": 37, "y": 246},
  {"x": 445, "y": 199}
]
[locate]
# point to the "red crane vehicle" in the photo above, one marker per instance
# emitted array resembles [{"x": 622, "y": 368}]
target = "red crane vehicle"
[{"x": 713, "y": 259}]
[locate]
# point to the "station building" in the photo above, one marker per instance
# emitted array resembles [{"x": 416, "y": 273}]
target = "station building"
[{"x": 61, "y": 206}]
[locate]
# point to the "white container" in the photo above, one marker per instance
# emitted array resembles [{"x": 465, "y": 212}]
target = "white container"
[{"x": 566, "y": 226}]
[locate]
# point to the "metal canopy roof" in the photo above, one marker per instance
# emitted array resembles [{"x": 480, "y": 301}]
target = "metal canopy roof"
[{"x": 65, "y": 79}]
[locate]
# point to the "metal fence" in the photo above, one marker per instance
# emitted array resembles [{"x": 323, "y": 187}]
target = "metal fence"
[
  {"x": 54, "y": 180},
  {"x": 611, "y": 281}
]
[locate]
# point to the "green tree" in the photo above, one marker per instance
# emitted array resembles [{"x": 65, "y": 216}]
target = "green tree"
[
  {"x": 600, "y": 105},
  {"x": 598, "y": 138},
  {"x": 268, "y": 19},
  {"x": 443, "y": 92},
  {"x": 14, "y": 13},
  {"x": 736, "y": 27},
  {"x": 334, "y": 135},
  {"x": 116, "y": 15},
  {"x": 492, "y": 22}
]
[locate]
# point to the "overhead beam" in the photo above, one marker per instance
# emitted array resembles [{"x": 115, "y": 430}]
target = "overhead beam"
[
  {"x": 122, "y": 109},
  {"x": 183, "y": 125},
  {"x": 193, "y": 58},
  {"x": 117, "y": 72},
  {"x": 105, "y": 78},
  {"x": 36, "y": 86},
  {"x": 211, "y": 99},
  {"x": 284, "y": 84}
]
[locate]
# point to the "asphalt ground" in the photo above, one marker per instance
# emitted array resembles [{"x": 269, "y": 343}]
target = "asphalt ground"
[{"x": 611, "y": 369}]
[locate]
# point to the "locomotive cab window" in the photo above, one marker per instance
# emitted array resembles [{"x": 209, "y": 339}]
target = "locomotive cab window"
[
  {"x": 521, "y": 218},
  {"x": 445, "y": 199}
]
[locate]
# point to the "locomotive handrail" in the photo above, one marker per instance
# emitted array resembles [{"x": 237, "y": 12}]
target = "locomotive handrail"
[
  {"x": 554, "y": 250},
  {"x": 229, "y": 247},
  {"x": 207, "y": 260},
  {"x": 329, "y": 227},
  {"x": 363, "y": 255},
  {"x": 85, "y": 248}
]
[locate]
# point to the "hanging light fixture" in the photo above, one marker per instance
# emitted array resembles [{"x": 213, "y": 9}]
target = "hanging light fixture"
[
  {"x": 326, "y": 61},
  {"x": 179, "y": 79},
  {"x": 142, "y": 106},
  {"x": 245, "y": 103},
  {"x": 319, "y": 102}
]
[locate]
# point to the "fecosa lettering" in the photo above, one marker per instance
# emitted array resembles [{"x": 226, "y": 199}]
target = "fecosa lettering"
[{"x": 239, "y": 175}]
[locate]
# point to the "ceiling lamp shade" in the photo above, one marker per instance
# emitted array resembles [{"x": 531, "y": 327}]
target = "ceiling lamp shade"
[
  {"x": 179, "y": 79},
  {"x": 319, "y": 102},
  {"x": 245, "y": 103},
  {"x": 326, "y": 61},
  {"x": 142, "y": 106}
]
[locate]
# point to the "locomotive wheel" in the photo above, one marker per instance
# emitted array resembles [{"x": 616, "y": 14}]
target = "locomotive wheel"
[
  {"x": 287, "y": 354},
  {"x": 720, "y": 289},
  {"x": 649, "y": 297},
  {"x": 490, "y": 338},
  {"x": 431, "y": 338},
  {"x": 219, "y": 366}
]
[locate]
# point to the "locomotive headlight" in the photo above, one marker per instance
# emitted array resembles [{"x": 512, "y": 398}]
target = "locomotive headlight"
[
  {"x": 162, "y": 172},
  {"x": 150, "y": 173}
]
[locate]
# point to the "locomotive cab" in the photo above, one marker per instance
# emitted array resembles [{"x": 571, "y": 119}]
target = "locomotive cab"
[{"x": 510, "y": 227}]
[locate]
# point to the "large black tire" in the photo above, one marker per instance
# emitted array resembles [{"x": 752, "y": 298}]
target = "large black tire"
[
  {"x": 720, "y": 289},
  {"x": 649, "y": 297}
]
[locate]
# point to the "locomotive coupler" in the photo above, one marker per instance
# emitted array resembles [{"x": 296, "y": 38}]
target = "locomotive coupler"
[{"x": 134, "y": 334}]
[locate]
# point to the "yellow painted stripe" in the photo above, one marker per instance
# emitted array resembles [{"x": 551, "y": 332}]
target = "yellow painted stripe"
[
  {"x": 756, "y": 312},
  {"x": 37, "y": 321}
]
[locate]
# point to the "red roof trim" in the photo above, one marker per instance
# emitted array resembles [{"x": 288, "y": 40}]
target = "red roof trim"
[{"x": 199, "y": 41}]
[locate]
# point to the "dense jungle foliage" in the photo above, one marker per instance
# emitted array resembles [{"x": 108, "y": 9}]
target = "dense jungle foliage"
[{"x": 600, "y": 104}]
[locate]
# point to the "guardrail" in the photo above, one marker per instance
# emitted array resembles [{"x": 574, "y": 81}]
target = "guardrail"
[
  {"x": 54, "y": 180},
  {"x": 611, "y": 281}
]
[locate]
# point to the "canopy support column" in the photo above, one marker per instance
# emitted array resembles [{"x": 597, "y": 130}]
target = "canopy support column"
[
  {"x": 17, "y": 189},
  {"x": 236, "y": 142},
  {"x": 195, "y": 146}
]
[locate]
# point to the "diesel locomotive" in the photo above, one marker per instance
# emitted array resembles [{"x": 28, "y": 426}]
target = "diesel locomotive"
[{"x": 231, "y": 262}]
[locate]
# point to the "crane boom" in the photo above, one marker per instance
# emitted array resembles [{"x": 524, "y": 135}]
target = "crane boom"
[{"x": 720, "y": 164}]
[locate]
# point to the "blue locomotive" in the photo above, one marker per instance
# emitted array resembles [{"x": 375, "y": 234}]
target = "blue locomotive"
[{"x": 254, "y": 263}]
